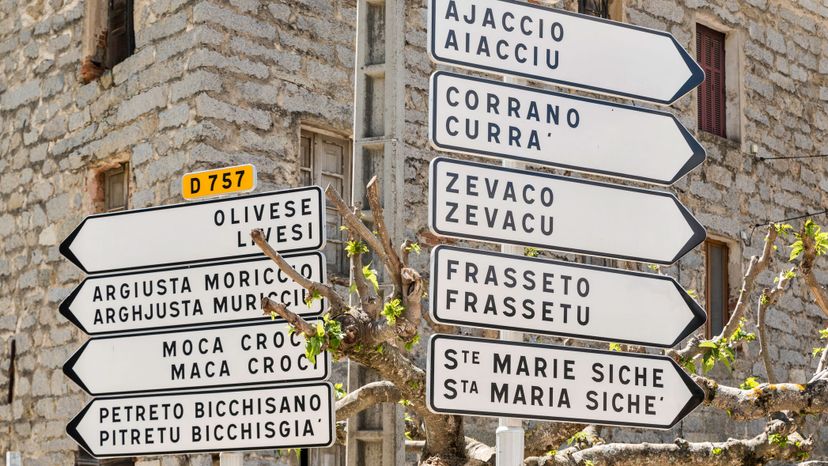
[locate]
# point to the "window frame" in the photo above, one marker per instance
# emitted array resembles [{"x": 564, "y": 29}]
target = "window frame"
[
  {"x": 106, "y": 175},
  {"x": 707, "y": 120},
  {"x": 734, "y": 87},
  {"x": 315, "y": 136},
  {"x": 614, "y": 10},
  {"x": 708, "y": 276}
]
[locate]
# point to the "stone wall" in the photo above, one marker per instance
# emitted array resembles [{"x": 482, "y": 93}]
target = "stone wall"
[
  {"x": 210, "y": 83},
  {"x": 231, "y": 81},
  {"x": 783, "y": 93}
]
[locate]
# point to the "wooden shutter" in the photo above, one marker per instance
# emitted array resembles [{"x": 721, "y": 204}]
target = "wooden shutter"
[
  {"x": 717, "y": 286},
  {"x": 710, "y": 47},
  {"x": 121, "y": 39}
]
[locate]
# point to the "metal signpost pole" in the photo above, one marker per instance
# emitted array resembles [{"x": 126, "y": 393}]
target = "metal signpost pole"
[
  {"x": 231, "y": 459},
  {"x": 509, "y": 433}
]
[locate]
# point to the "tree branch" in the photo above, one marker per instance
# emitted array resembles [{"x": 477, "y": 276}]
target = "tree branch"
[
  {"x": 757, "y": 266},
  {"x": 393, "y": 260},
  {"x": 806, "y": 268},
  {"x": 547, "y": 436},
  {"x": 766, "y": 300},
  {"x": 327, "y": 291},
  {"x": 757, "y": 450},
  {"x": 766, "y": 399},
  {"x": 366, "y": 396},
  {"x": 269, "y": 306},
  {"x": 358, "y": 227}
]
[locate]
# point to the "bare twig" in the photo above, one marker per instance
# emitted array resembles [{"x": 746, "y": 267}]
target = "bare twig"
[
  {"x": 806, "y": 268},
  {"x": 394, "y": 264},
  {"x": 766, "y": 399},
  {"x": 358, "y": 227},
  {"x": 758, "y": 450},
  {"x": 268, "y": 305},
  {"x": 366, "y": 396},
  {"x": 766, "y": 300},
  {"x": 757, "y": 265},
  {"x": 327, "y": 291}
]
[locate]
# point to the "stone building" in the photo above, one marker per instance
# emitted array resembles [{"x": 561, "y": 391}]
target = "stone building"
[{"x": 295, "y": 87}]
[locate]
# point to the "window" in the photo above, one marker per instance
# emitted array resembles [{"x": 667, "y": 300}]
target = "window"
[
  {"x": 327, "y": 160},
  {"x": 116, "y": 188},
  {"x": 607, "y": 9},
  {"x": 109, "y": 36},
  {"x": 717, "y": 285},
  {"x": 710, "y": 50}
]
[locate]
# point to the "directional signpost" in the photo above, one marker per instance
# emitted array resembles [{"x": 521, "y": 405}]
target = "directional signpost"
[
  {"x": 187, "y": 233},
  {"x": 483, "y": 202},
  {"x": 204, "y": 294},
  {"x": 495, "y": 119},
  {"x": 506, "y": 292},
  {"x": 207, "y": 421},
  {"x": 472, "y": 376},
  {"x": 556, "y": 46},
  {"x": 242, "y": 355}
]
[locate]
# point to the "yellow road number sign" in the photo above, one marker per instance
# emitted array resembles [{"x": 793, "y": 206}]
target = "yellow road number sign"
[{"x": 238, "y": 179}]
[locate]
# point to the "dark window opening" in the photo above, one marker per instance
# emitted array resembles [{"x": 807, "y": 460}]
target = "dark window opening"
[
  {"x": 717, "y": 286},
  {"x": 12, "y": 358},
  {"x": 324, "y": 161},
  {"x": 710, "y": 50},
  {"x": 599, "y": 8},
  {"x": 116, "y": 188},
  {"x": 120, "y": 41}
]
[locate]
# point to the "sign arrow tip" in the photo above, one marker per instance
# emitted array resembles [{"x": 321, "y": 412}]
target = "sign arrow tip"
[
  {"x": 696, "y": 394},
  {"x": 698, "y": 156},
  {"x": 69, "y": 368},
  {"x": 696, "y": 73},
  {"x": 698, "y": 236},
  {"x": 66, "y": 311},
  {"x": 72, "y": 429},
  {"x": 66, "y": 246},
  {"x": 699, "y": 315}
]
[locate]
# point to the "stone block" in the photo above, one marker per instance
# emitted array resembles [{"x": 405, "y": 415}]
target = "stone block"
[
  {"x": 209, "y": 107},
  {"x": 193, "y": 83},
  {"x": 208, "y": 12},
  {"x": 19, "y": 95},
  {"x": 142, "y": 103}
]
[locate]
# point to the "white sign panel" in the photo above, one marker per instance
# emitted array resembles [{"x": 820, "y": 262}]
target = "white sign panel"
[
  {"x": 221, "y": 420},
  {"x": 483, "y": 202},
  {"x": 505, "y": 292},
  {"x": 561, "y": 47},
  {"x": 495, "y": 119},
  {"x": 186, "y": 296},
  {"x": 471, "y": 376},
  {"x": 245, "y": 355},
  {"x": 292, "y": 220}
]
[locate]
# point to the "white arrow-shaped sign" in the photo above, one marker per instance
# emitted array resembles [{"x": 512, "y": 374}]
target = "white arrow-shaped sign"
[
  {"x": 505, "y": 292},
  {"x": 494, "y": 119},
  {"x": 187, "y": 296},
  {"x": 561, "y": 47},
  {"x": 471, "y": 376},
  {"x": 244, "y": 355},
  {"x": 267, "y": 418},
  {"x": 292, "y": 220},
  {"x": 483, "y": 202}
]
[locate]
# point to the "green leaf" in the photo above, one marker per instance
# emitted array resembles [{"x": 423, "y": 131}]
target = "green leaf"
[
  {"x": 392, "y": 310},
  {"x": 817, "y": 351},
  {"x": 339, "y": 389},
  {"x": 413, "y": 342},
  {"x": 371, "y": 275},
  {"x": 796, "y": 250},
  {"x": 415, "y": 248},
  {"x": 716, "y": 451},
  {"x": 531, "y": 252},
  {"x": 749, "y": 384},
  {"x": 823, "y": 334},
  {"x": 614, "y": 347},
  {"x": 356, "y": 247},
  {"x": 708, "y": 344},
  {"x": 778, "y": 439}
]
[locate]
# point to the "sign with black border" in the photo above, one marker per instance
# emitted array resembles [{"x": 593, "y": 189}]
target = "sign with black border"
[
  {"x": 205, "y": 294},
  {"x": 500, "y": 291},
  {"x": 490, "y": 203},
  {"x": 88, "y": 431},
  {"x": 477, "y": 116},
  {"x": 561, "y": 47},
  {"x": 293, "y": 221},
  {"x": 478, "y": 377},
  {"x": 252, "y": 354}
]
